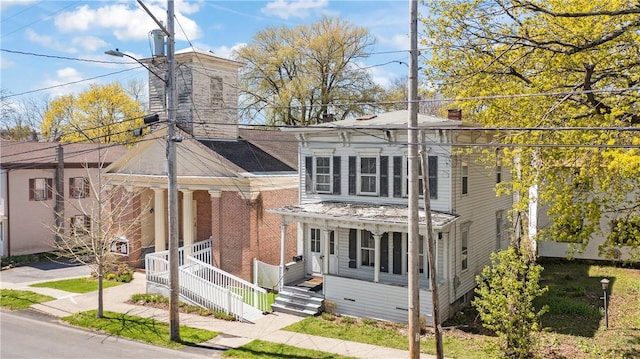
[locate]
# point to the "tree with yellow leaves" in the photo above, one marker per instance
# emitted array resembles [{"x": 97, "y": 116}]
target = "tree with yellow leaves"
[
  {"x": 549, "y": 65},
  {"x": 103, "y": 113}
]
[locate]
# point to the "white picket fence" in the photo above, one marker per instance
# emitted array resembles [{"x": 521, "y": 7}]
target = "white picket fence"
[{"x": 208, "y": 286}]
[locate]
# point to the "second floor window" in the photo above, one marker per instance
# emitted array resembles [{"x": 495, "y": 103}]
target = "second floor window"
[
  {"x": 368, "y": 175},
  {"x": 40, "y": 189},
  {"x": 323, "y": 174},
  {"x": 465, "y": 177},
  {"x": 79, "y": 187}
]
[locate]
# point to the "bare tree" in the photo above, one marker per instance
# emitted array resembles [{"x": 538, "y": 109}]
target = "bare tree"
[{"x": 103, "y": 220}]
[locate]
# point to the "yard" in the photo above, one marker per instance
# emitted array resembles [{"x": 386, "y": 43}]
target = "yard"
[{"x": 574, "y": 327}]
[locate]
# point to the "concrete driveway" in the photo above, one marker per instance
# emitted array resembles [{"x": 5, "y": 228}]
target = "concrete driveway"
[{"x": 42, "y": 272}]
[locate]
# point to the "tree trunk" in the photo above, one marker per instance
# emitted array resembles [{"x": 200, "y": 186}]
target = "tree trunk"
[{"x": 99, "y": 312}]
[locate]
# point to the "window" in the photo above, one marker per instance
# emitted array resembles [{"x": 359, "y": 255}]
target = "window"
[
  {"x": 421, "y": 250},
  {"x": 464, "y": 259},
  {"x": 323, "y": 174},
  {"x": 465, "y": 177},
  {"x": 332, "y": 243},
  {"x": 499, "y": 229},
  {"x": 80, "y": 225},
  {"x": 368, "y": 175},
  {"x": 498, "y": 172},
  {"x": 40, "y": 189},
  {"x": 79, "y": 187},
  {"x": 367, "y": 249},
  {"x": 315, "y": 240},
  {"x": 432, "y": 164}
]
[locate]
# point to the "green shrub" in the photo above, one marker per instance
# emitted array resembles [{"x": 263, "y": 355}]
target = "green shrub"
[{"x": 505, "y": 294}]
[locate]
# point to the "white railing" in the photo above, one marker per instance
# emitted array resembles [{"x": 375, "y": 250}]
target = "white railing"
[
  {"x": 204, "y": 284},
  {"x": 251, "y": 294},
  {"x": 209, "y": 295},
  {"x": 157, "y": 268},
  {"x": 294, "y": 272}
]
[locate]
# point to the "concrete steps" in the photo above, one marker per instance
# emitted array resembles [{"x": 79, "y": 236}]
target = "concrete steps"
[{"x": 298, "y": 301}]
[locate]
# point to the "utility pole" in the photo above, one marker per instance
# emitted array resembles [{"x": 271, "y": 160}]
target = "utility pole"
[
  {"x": 414, "y": 285},
  {"x": 174, "y": 287},
  {"x": 59, "y": 187},
  {"x": 433, "y": 282}
]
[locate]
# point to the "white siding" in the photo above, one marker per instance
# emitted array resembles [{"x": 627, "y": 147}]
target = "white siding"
[
  {"x": 442, "y": 203},
  {"x": 477, "y": 210},
  {"x": 363, "y": 299}
]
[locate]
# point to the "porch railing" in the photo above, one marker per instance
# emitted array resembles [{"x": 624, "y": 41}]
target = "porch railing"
[
  {"x": 204, "y": 284},
  {"x": 251, "y": 294},
  {"x": 209, "y": 295}
]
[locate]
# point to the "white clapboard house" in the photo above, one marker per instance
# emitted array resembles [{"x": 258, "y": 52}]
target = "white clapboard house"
[{"x": 353, "y": 213}]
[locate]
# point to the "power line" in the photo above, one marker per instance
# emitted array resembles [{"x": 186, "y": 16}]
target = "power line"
[
  {"x": 65, "y": 84},
  {"x": 65, "y": 57}
]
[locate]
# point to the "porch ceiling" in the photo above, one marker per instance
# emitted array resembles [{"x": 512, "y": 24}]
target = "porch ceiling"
[{"x": 383, "y": 215}]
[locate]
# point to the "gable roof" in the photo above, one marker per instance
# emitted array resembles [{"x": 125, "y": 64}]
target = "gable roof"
[{"x": 14, "y": 154}]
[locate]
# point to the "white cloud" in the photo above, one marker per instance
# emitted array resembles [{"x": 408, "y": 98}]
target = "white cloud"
[
  {"x": 126, "y": 23},
  {"x": 49, "y": 42},
  {"x": 5, "y": 4},
  {"x": 6, "y": 63},
  {"x": 293, "y": 8},
  {"x": 397, "y": 41},
  {"x": 226, "y": 51},
  {"x": 64, "y": 76},
  {"x": 89, "y": 43}
]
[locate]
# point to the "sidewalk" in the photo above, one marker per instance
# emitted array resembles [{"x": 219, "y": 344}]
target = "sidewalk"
[{"x": 233, "y": 334}]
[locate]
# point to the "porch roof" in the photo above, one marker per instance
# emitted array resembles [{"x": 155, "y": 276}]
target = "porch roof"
[{"x": 385, "y": 215}]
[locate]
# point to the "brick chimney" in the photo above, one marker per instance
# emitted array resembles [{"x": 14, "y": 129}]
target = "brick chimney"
[{"x": 454, "y": 114}]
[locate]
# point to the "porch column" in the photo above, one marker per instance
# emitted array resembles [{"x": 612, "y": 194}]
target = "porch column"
[
  {"x": 159, "y": 219},
  {"x": 325, "y": 251},
  {"x": 283, "y": 241},
  {"x": 216, "y": 241},
  {"x": 376, "y": 263},
  {"x": 187, "y": 217}
]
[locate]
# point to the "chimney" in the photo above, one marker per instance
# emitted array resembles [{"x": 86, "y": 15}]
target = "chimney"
[
  {"x": 454, "y": 114},
  {"x": 326, "y": 117}
]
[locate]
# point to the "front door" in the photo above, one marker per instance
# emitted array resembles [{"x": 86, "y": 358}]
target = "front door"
[{"x": 315, "y": 252}]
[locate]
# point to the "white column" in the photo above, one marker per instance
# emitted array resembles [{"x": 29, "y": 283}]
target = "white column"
[
  {"x": 376, "y": 266},
  {"x": 187, "y": 217},
  {"x": 283, "y": 242},
  {"x": 390, "y": 254},
  {"x": 159, "y": 219},
  {"x": 325, "y": 251}
]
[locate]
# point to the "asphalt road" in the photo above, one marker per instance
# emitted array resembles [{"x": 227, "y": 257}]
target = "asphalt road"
[{"x": 30, "y": 334}]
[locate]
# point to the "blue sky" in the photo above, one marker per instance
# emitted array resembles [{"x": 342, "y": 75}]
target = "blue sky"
[{"x": 86, "y": 29}]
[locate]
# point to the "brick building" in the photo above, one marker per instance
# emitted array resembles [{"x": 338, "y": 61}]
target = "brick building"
[{"x": 227, "y": 175}]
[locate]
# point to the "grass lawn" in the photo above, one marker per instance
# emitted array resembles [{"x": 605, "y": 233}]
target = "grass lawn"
[
  {"x": 383, "y": 334},
  {"x": 21, "y": 299},
  {"x": 76, "y": 285},
  {"x": 262, "y": 349},
  {"x": 146, "y": 330},
  {"x": 573, "y": 327}
]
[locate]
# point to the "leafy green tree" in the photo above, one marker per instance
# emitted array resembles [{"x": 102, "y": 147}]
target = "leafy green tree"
[
  {"x": 103, "y": 113},
  {"x": 504, "y": 299},
  {"x": 583, "y": 56},
  {"x": 297, "y": 76}
]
